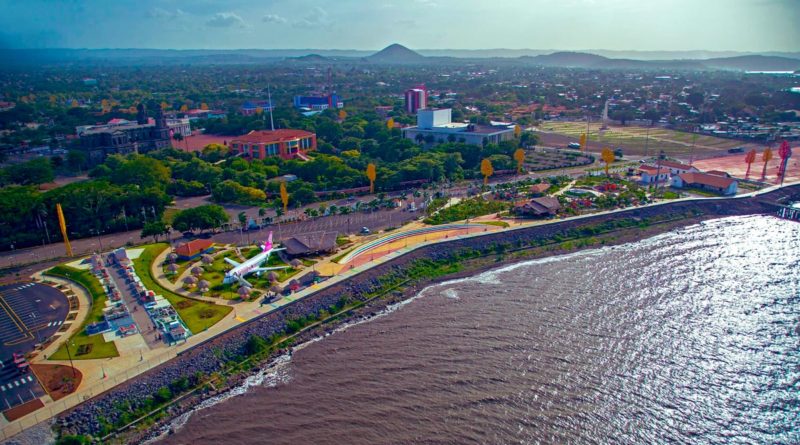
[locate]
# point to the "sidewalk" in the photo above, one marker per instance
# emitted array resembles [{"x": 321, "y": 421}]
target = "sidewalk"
[{"x": 103, "y": 374}]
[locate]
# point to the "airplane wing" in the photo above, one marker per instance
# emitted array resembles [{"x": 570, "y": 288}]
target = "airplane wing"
[
  {"x": 244, "y": 282},
  {"x": 231, "y": 262},
  {"x": 264, "y": 269}
]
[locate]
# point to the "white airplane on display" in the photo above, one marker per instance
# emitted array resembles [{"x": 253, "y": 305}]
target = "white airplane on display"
[{"x": 253, "y": 265}]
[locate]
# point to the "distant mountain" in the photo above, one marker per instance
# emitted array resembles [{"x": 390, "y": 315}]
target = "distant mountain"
[
  {"x": 396, "y": 53},
  {"x": 311, "y": 58},
  {"x": 567, "y": 59},
  {"x": 393, "y": 54},
  {"x": 754, "y": 63}
]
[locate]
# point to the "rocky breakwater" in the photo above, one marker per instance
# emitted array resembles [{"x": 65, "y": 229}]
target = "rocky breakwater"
[{"x": 94, "y": 416}]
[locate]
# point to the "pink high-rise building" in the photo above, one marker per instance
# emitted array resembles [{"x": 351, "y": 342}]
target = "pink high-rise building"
[{"x": 416, "y": 99}]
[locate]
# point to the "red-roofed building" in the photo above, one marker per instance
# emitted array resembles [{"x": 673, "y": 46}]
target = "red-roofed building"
[
  {"x": 704, "y": 181},
  {"x": 650, "y": 174},
  {"x": 193, "y": 249},
  {"x": 540, "y": 188},
  {"x": 285, "y": 143},
  {"x": 676, "y": 168}
]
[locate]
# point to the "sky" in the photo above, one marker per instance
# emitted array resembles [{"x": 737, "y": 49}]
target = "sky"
[{"x": 652, "y": 25}]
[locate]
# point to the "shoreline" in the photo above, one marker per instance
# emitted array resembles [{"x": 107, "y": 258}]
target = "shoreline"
[
  {"x": 225, "y": 360},
  {"x": 378, "y": 307}
]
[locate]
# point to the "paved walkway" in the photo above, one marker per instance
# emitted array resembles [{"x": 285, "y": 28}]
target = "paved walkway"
[{"x": 103, "y": 374}]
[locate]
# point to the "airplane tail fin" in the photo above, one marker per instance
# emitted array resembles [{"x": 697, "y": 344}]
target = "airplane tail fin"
[{"x": 268, "y": 244}]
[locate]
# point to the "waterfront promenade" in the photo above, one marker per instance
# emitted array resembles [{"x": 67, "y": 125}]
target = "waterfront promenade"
[{"x": 135, "y": 358}]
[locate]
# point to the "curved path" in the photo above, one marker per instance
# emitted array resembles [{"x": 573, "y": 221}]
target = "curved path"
[{"x": 397, "y": 240}]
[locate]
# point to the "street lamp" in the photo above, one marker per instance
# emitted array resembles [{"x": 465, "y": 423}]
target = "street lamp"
[{"x": 72, "y": 365}]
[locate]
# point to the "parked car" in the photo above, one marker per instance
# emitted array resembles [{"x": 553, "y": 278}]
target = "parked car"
[{"x": 365, "y": 230}]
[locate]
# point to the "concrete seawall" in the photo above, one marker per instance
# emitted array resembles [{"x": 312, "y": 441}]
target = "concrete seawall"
[{"x": 210, "y": 356}]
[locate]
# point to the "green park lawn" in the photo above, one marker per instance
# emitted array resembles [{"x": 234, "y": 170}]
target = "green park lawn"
[
  {"x": 198, "y": 315},
  {"x": 95, "y": 344},
  {"x": 215, "y": 273}
]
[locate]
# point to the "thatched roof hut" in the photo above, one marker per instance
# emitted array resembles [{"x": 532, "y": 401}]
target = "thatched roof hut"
[
  {"x": 244, "y": 291},
  {"x": 203, "y": 285},
  {"x": 190, "y": 280},
  {"x": 207, "y": 259},
  {"x": 197, "y": 271},
  {"x": 172, "y": 268}
]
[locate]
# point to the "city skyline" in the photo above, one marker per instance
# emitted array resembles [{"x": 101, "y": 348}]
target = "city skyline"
[{"x": 676, "y": 25}]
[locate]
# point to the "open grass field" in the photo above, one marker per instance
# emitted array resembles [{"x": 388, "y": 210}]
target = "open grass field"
[
  {"x": 634, "y": 140},
  {"x": 198, "y": 315},
  {"x": 97, "y": 346}
]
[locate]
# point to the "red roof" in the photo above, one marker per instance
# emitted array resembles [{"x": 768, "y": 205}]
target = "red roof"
[
  {"x": 194, "y": 247},
  {"x": 267, "y": 136},
  {"x": 718, "y": 173},
  {"x": 540, "y": 187},
  {"x": 675, "y": 165},
  {"x": 652, "y": 170},
  {"x": 706, "y": 179}
]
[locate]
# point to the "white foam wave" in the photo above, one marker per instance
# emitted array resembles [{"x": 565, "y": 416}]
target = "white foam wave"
[
  {"x": 451, "y": 293},
  {"x": 272, "y": 375}
]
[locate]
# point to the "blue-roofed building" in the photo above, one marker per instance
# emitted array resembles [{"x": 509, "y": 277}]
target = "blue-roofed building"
[
  {"x": 318, "y": 103},
  {"x": 250, "y": 108}
]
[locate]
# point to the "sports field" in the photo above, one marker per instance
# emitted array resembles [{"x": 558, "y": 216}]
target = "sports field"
[{"x": 634, "y": 139}]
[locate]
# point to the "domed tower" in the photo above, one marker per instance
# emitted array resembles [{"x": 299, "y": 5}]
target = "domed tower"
[
  {"x": 161, "y": 119},
  {"x": 141, "y": 114}
]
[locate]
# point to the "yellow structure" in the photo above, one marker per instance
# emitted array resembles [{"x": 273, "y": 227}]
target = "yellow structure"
[{"x": 63, "y": 224}]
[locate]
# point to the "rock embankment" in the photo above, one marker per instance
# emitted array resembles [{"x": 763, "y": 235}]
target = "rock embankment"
[{"x": 210, "y": 357}]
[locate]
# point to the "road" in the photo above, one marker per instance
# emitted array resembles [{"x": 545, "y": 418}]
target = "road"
[{"x": 21, "y": 261}]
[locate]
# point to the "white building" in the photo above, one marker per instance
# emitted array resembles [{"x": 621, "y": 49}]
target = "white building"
[
  {"x": 705, "y": 181},
  {"x": 435, "y": 126},
  {"x": 180, "y": 126}
]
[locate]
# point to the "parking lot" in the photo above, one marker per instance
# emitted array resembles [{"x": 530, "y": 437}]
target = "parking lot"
[{"x": 30, "y": 313}]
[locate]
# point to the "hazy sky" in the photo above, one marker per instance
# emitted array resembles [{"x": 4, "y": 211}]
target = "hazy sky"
[{"x": 743, "y": 25}]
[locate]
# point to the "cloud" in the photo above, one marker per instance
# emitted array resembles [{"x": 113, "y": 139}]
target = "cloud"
[
  {"x": 160, "y": 13},
  {"x": 273, "y": 18},
  {"x": 317, "y": 17},
  {"x": 226, "y": 20}
]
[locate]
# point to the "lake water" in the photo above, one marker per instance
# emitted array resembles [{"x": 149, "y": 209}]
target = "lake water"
[{"x": 687, "y": 337}]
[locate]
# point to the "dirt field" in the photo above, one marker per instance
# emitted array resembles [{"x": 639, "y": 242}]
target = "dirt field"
[
  {"x": 57, "y": 379},
  {"x": 736, "y": 166},
  {"x": 634, "y": 140}
]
